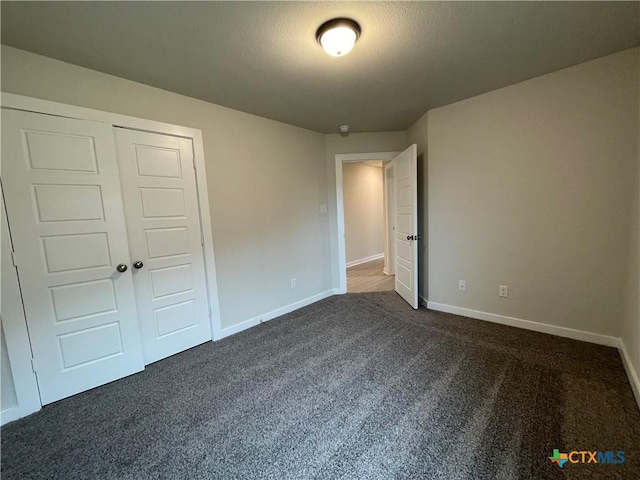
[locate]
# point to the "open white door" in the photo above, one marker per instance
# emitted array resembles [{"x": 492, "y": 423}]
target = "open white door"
[
  {"x": 60, "y": 178},
  {"x": 405, "y": 175}
]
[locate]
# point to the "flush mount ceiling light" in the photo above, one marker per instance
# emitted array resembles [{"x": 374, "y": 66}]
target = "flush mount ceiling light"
[{"x": 338, "y": 36}]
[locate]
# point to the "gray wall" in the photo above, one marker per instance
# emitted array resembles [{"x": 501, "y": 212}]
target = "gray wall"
[
  {"x": 533, "y": 186},
  {"x": 266, "y": 181},
  {"x": 362, "y": 187},
  {"x": 631, "y": 321}
]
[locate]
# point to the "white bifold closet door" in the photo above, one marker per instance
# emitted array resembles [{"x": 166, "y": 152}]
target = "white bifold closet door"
[
  {"x": 161, "y": 208},
  {"x": 106, "y": 230},
  {"x": 63, "y": 198}
]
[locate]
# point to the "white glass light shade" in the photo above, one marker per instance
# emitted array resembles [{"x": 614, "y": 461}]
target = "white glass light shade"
[
  {"x": 338, "y": 41},
  {"x": 338, "y": 36}
]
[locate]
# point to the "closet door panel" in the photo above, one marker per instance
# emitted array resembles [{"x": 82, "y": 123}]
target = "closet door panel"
[
  {"x": 161, "y": 205},
  {"x": 65, "y": 210}
]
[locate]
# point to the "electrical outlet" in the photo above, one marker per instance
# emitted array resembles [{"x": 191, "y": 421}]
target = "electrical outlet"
[
  {"x": 462, "y": 285},
  {"x": 503, "y": 290},
  {"x": 293, "y": 283},
  {"x": 323, "y": 208}
]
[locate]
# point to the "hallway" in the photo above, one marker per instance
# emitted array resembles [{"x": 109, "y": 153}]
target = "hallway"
[{"x": 369, "y": 277}]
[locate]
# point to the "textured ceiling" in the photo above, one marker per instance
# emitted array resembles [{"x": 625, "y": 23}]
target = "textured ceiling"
[{"x": 262, "y": 57}]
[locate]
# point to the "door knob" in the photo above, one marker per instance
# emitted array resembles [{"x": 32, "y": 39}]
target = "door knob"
[
  {"x": 138, "y": 264},
  {"x": 121, "y": 268}
]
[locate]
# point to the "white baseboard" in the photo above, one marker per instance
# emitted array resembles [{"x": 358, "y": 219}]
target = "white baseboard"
[
  {"x": 11, "y": 414},
  {"x": 528, "y": 325},
  {"x": 365, "y": 260},
  {"x": 597, "y": 338},
  {"x": 252, "y": 322},
  {"x": 632, "y": 375}
]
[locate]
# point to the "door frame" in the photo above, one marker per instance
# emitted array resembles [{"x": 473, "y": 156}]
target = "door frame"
[
  {"x": 14, "y": 327},
  {"x": 389, "y": 207},
  {"x": 19, "y": 102},
  {"x": 340, "y": 159}
]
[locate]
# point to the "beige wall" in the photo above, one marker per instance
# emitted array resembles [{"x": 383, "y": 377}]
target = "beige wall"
[
  {"x": 266, "y": 181},
  {"x": 532, "y": 186},
  {"x": 631, "y": 320},
  {"x": 352, "y": 143},
  {"x": 362, "y": 187}
]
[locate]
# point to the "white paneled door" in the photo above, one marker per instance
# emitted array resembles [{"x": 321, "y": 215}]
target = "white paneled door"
[
  {"x": 165, "y": 241},
  {"x": 62, "y": 188},
  {"x": 405, "y": 174}
]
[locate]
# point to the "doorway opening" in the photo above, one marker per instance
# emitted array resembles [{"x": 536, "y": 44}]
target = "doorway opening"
[
  {"x": 364, "y": 184},
  {"x": 403, "y": 233},
  {"x": 365, "y": 221}
]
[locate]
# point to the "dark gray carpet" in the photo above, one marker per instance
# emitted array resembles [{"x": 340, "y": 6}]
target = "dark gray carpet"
[{"x": 356, "y": 386}]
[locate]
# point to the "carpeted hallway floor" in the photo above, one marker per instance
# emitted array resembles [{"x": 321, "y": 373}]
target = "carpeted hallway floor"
[{"x": 357, "y": 386}]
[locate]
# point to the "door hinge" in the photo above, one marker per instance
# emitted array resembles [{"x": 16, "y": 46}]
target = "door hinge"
[
  {"x": 34, "y": 365},
  {"x": 194, "y": 163},
  {"x": 202, "y": 240}
]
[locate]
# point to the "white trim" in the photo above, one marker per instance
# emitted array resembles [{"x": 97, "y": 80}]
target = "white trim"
[
  {"x": 632, "y": 375},
  {"x": 20, "y": 102},
  {"x": 389, "y": 208},
  {"x": 16, "y": 335},
  {"x": 370, "y": 258},
  {"x": 205, "y": 222},
  {"x": 528, "y": 325},
  {"x": 252, "y": 322},
  {"x": 37, "y": 105},
  {"x": 581, "y": 335},
  {"x": 340, "y": 159},
  {"x": 366, "y": 157},
  {"x": 14, "y": 413}
]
